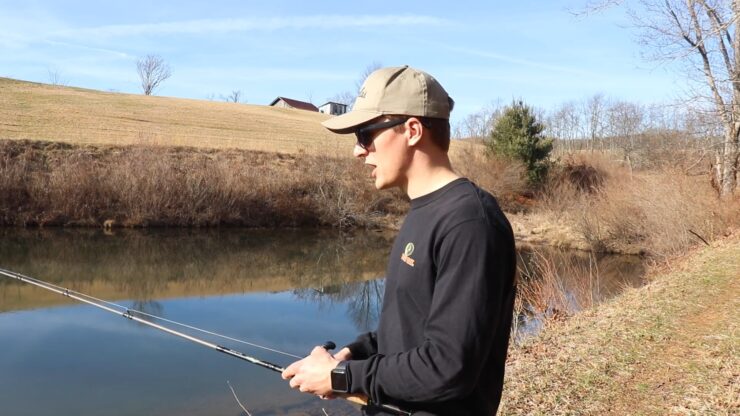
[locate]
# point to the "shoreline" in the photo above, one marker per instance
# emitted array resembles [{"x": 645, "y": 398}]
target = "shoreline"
[
  {"x": 666, "y": 347},
  {"x": 50, "y": 184}
]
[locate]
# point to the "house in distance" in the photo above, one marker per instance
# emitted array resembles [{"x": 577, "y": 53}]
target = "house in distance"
[
  {"x": 283, "y": 102},
  {"x": 332, "y": 108}
]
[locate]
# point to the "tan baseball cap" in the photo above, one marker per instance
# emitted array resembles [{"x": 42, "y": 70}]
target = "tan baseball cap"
[{"x": 394, "y": 90}]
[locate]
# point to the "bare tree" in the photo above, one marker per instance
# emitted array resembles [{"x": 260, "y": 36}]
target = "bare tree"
[
  {"x": 345, "y": 97},
  {"x": 479, "y": 124},
  {"x": 565, "y": 123},
  {"x": 153, "y": 70},
  {"x": 348, "y": 97},
  {"x": 55, "y": 77},
  {"x": 234, "y": 97},
  {"x": 625, "y": 125},
  {"x": 704, "y": 36},
  {"x": 594, "y": 109}
]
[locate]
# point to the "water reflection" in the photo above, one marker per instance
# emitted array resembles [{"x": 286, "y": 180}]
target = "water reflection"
[
  {"x": 289, "y": 290},
  {"x": 147, "y": 265},
  {"x": 555, "y": 283},
  {"x": 364, "y": 300},
  {"x": 320, "y": 267}
]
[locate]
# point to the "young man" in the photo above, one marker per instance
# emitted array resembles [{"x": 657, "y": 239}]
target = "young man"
[{"x": 440, "y": 346}]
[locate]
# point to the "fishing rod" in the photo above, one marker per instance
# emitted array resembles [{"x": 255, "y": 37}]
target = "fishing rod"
[{"x": 131, "y": 315}]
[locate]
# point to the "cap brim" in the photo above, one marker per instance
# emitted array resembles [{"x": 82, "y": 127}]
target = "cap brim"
[{"x": 347, "y": 123}]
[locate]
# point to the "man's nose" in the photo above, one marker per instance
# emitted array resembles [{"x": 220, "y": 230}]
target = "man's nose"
[{"x": 359, "y": 151}]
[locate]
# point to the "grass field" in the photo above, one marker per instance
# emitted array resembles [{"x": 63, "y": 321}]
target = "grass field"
[
  {"x": 35, "y": 111},
  {"x": 80, "y": 116}
]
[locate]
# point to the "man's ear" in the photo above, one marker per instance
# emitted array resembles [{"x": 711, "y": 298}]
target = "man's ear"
[{"x": 415, "y": 130}]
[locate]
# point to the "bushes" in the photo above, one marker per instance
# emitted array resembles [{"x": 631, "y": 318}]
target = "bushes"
[
  {"x": 503, "y": 177},
  {"x": 49, "y": 184},
  {"x": 656, "y": 211}
]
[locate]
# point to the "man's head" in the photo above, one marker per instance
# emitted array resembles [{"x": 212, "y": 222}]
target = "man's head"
[
  {"x": 399, "y": 102},
  {"x": 398, "y": 91}
]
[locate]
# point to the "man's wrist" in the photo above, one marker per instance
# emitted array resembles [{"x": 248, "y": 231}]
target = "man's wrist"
[{"x": 340, "y": 381}]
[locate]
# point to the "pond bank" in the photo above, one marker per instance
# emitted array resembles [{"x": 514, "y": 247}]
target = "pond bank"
[
  {"x": 46, "y": 184},
  {"x": 56, "y": 184},
  {"x": 668, "y": 347}
]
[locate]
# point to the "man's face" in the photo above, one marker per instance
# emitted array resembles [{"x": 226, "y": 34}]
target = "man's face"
[{"x": 388, "y": 155}]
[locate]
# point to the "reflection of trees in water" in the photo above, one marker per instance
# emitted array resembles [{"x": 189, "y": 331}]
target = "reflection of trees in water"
[
  {"x": 364, "y": 309},
  {"x": 149, "y": 307},
  {"x": 555, "y": 283},
  {"x": 364, "y": 300},
  {"x": 143, "y": 264}
]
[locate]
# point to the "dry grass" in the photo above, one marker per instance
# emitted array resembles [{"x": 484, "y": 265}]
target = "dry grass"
[
  {"x": 616, "y": 210},
  {"x": 73, "y": 115},
  {"x": 505, "y": 179},
  {"x": 297, "y": 173},
  {"x": 552, "y": 288},
  {"x": 34, "y": 111},
  {"x": 667, "y": 348},
  {"x": 56, "y": 184}
]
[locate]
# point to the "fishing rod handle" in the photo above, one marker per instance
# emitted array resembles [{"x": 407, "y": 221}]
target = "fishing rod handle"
[{"x": 360, "y": 399}]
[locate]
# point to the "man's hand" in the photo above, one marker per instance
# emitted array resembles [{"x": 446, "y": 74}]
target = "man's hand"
[
  {"x": 313, "y": 373},
  {"x": 343, "y": 355}
]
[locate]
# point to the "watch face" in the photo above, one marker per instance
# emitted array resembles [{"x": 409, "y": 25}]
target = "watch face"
[{"x": 339, "y": 382}]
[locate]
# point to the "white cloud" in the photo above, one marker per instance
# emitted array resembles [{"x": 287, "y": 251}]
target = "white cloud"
[
  {"x": 520, "y": 61},
  {"x": 111, "y": 52},
  {"x": 220, "y": 26},
  {"x": 267, "y": 74}
]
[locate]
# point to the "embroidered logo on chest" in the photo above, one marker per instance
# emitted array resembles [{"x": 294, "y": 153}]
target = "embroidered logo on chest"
[{"x": 407, "y": 252}]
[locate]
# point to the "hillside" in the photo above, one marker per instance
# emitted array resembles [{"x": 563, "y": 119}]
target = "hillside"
[{"x": 80, "y": 116}]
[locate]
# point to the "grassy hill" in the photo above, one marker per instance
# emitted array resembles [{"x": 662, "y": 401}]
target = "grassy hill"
[
  {"x": 35, "y": 111},
  {"x": 80, "y": 116},
  {"x": 72, "y": 156}
]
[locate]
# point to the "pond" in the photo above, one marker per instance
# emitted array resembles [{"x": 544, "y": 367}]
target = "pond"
[{"x": 289, "y": 290}]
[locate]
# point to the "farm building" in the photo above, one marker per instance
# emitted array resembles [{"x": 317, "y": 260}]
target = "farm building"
[
  {"x": 283, "y": 102},
  {"x": 332, "y": 108}
]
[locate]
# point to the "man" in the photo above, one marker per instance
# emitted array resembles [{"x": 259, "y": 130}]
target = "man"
[{"x": 440, "y": 346}]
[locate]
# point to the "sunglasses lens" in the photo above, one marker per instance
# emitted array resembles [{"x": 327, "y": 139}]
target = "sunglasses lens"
[
  {"x": 364, "y": 139},
  {"x": 365, "y": 134}
]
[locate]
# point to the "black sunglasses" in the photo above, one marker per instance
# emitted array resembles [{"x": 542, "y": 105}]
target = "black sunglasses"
[{"x": 365, "y": 134}]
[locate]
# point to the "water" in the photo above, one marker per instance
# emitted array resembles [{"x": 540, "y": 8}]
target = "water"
[{"x": 290, "y": 290}]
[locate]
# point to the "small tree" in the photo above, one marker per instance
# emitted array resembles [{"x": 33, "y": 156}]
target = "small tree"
[
  {"x": 518, "y": 135},
  {"x": 153, "y": 70},
  {"x": 55, "y": 77},
  {"x": 234, "y": 97}
]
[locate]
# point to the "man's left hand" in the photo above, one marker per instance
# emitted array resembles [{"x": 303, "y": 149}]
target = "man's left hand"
[{"x": 313, "y": 373}]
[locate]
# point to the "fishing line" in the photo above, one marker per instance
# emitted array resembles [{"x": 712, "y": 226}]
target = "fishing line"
[
  {"x": 131, "y": 314},
  {"x": 138, "y": 312}
]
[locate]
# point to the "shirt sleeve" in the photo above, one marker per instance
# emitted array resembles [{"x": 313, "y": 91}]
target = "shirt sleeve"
[
  {"x": 460, "y": 327},
  {"x": 364, "y": 346}
]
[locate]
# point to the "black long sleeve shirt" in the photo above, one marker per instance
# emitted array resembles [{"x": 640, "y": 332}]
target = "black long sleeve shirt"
[{"x": 440, "y": 347}]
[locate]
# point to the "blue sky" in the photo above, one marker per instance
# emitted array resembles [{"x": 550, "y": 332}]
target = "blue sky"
[{"x": 480, "y": 51}]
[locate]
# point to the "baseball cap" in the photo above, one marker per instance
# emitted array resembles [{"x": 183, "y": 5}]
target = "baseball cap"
[{"x": 395, "y": 90}]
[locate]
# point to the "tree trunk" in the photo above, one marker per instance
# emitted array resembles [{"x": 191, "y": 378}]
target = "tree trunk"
[{"x": 728, "y": 164}]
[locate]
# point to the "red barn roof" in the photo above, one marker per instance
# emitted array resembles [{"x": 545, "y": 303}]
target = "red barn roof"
[{"x": 301, "y": 105}]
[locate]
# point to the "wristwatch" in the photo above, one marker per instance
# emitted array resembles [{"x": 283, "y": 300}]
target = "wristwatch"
[{"x": 340, "y": 378}]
